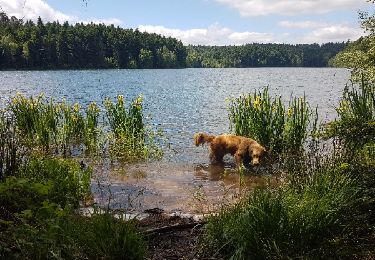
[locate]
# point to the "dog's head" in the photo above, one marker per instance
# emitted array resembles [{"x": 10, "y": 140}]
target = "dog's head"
[
  {"x": 199, "y": 139},
  {"x": 256, "y": 152}
]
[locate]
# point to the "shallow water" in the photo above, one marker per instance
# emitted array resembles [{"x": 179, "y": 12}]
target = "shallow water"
[{"x": 180, "y": 102}]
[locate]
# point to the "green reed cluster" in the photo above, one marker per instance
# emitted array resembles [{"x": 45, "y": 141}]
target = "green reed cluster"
[
  {"x": 130, "y": 139},
  {"x": 266, "y": 119},
  {"x": 62, "y": 128}
]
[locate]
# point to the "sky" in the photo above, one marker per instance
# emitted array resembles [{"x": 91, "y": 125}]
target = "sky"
[{"x": 210, "y": 22}]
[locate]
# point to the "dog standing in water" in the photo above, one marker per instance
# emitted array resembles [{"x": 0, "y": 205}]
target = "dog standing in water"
[{"x": 239, "y": 146}]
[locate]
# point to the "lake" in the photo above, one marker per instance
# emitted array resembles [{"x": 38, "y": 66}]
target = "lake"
[{"x": 180, "y": 103}]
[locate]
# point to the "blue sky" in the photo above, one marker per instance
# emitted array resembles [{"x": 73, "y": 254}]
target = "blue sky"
[{"x": 211, "y": 22}]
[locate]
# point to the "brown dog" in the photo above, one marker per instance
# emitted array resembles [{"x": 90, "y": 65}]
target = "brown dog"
[{"x": 239, "y": 146}]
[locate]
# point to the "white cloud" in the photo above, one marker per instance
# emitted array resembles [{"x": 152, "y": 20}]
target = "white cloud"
[
  {"x": 333, "y": 33},
  {"x": 213, "y": 35},
  {"x": 302, "y": 24},
  {"x": 290, "y": 7},
  {"x": 32, "y": 9}
]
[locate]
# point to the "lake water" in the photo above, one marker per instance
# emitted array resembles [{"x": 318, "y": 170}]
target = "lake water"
[{"x": 181, "y": 103}]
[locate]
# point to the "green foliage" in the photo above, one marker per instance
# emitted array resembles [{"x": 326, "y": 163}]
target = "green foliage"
[
  {"x": 103, "y": 236},
  {"x": 9, "y": 146},
  {"x": 19, "y": 194},
  {"x": 285, "y": 223},
  {"x": 69, "y": 183},
  {"x": 355, "y": 125},
  {"x": 131, "y": 141},
  {"x": 359, "y": 55},
  {"x": 262, "y": 55},
  {"x": 53, "y": 45},
  {"x": 48, "y": 232},
  {"x": 35, "y": 119},
  {"x": 270, "y": 122},
  {"x": 55, "y": 126},
  {"x": 64, "y": 46},
  {"x": 33, "y": 223},
  {"x": 60, "y": 128}
]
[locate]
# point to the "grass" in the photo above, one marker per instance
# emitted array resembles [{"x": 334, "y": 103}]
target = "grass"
[
  {"x": 283, "y": 223},
  {"x": 9, "y": 147}
]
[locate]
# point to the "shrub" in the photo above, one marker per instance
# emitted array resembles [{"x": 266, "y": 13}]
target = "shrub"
[
  {"x": 69, "y": 183},
  {"x": 355, "y": 125},
  {"x": 103, "y": 236}
]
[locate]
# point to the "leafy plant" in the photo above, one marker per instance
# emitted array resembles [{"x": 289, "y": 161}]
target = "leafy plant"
[{"x": 69, "y": 183}]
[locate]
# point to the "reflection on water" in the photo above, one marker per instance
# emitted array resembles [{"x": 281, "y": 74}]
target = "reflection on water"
[
  {"x": 181, "y": 103},
  {"x": 192, "y": 188}
]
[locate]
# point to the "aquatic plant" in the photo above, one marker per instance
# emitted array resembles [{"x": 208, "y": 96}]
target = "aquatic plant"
[
  {"x": 62, "y": 128},
  {"x": 269, "y": 121},
  {"x": 130, "y": 140}
]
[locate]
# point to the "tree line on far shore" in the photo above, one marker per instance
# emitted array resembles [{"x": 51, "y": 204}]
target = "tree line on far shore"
[{"x": 29, "y": 45}]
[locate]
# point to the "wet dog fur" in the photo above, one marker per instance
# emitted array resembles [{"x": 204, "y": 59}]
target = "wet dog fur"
[{"x": 243, "y": 149}]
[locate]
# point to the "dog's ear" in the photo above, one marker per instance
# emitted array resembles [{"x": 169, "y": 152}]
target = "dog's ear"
[{"x": 198, "y": 139}]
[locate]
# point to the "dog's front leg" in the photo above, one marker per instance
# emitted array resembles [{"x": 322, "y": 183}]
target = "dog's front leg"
[{"x": 239, "y": 160}]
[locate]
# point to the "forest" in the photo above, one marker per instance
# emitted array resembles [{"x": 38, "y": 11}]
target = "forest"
[{"x": 51, "y": 45}]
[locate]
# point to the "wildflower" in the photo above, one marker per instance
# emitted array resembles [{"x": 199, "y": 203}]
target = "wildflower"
[
  {"x": 257, "y": 102},
  {"x": 138, "y": 102},
  {"x": 94, "y": 107},
  {"x": 76, "y": 107},
  {"x": 120, "y": 99}
]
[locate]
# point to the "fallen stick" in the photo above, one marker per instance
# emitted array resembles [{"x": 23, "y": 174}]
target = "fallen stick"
[{"x": 165, "y": 229}]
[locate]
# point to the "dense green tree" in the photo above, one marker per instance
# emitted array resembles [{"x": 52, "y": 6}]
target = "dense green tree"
[
  {"x": 63, "y": 46},
  {"x": 360, "y": 54},
  {"x": 52, "y": 45}
]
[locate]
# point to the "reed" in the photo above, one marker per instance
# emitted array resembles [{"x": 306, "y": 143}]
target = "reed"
[
  {"x": 278, "y": 127},
  {"x": 62, "y": 128},
  {"x": 130, "y": 140}
]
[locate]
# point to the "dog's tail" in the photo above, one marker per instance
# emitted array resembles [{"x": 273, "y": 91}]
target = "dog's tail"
[{"x": 202, "y": 138}]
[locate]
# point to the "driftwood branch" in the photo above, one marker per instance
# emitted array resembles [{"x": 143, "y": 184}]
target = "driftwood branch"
[{"x": 165, "y": 229}]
